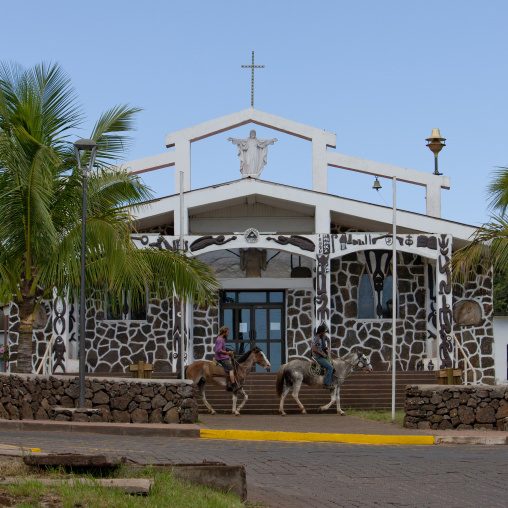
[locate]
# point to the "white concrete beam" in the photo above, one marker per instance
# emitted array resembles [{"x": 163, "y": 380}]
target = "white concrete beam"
[
  {"x": 250, "y": 115},
  {"x": 138, "y": 166},
  {"x": 433, "y": 183}
]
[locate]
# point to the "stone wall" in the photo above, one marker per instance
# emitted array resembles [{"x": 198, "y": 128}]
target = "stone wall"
[
  {"x": 374, "y": 336},
  {"x": 112, "y": 345},
  {"x": 456, "y": 407},
  {"x": 40, "y": 336},
  {"x": 31, "y": 397},
  {"x": 299, "y": 322},
  {"x": 478, "y": 341},
  {"x": 205, "y": 331}
]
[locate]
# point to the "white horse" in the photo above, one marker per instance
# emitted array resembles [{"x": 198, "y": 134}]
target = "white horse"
[{"x": 296, "y": 372}]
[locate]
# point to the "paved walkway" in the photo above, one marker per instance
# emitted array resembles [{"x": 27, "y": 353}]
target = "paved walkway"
[
  {"x": 324, "y": 427},
  {"x": 299, "y": 475},
  {"x": 346, "y": 428}
]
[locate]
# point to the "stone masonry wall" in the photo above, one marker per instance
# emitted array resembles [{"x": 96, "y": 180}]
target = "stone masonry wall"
[
  {"x": 478, "y": 341},
  {"x": 299, "y": 322},
  {"x": 374, "y": 336},
  {"x": 31, "y": 397},
  {"x": 112, "y": 345},
  {"x": 456, "y": 407},
  {"x": 41, "y": 337},
  {"x": 206, "y": 329}
]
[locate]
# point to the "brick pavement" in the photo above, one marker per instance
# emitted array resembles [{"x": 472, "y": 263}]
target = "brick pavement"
[{"x": 326, "y": 474}]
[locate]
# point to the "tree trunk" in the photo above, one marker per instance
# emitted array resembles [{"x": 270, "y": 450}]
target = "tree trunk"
[
  {"x": 25, "y": 345},
  {"x": 26, "y": 306}
]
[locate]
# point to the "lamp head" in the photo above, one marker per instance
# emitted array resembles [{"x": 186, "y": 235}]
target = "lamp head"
[
  {"x": 83, "y": 145},
  {"x": 435, "y": 142}
]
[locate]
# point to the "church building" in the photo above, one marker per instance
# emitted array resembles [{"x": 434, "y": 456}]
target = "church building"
[{"x": 290, "y": 259}]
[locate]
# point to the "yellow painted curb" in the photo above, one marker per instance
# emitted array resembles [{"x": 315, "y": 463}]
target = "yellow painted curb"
[
  {"x": 34, "y": 450},
  {"x": 259, "y": 435}
]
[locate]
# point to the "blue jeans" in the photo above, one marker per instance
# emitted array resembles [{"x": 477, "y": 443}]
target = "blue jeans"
[{"x": 329, "y": 369}]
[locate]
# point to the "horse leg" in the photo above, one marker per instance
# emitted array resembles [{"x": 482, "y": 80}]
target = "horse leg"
[
  {"x": 244, "y": 401},
  {"x": 296, "y": 391},
  {"x": 333, "y": 398},
  {"x": 235, "y": 399},
  {"x": 283, "y": 395},
  {"x": 339, "y": 410},
  {"x": 201, "y": 386}
]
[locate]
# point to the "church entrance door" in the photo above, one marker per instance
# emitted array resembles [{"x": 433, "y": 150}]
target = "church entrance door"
[{"x": 256, "y": 318}]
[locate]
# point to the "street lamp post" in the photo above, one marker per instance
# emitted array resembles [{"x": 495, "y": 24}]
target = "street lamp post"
[
  {"x": 80, "y": 146},
  {"x": 435, "y": 144},
  {"x": 377, "y": 186}
]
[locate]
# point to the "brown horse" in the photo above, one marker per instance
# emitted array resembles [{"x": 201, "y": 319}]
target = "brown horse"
[{"x": 203, "y": 372}]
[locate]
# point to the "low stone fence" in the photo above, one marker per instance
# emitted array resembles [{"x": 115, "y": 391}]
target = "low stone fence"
[
  {"x": 456, "y": 407},
  {"x": 31, "y": 397}
]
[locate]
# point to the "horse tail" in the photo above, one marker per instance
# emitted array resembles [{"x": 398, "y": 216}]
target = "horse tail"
[{"x": 279, "y": 383}]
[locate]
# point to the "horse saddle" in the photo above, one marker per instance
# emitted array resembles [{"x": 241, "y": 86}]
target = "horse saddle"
[
  {"x": 216, "y": 369},
  {"x": 315, "y": 369}
]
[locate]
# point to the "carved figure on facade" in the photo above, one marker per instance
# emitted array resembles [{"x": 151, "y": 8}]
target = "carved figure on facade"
[
  {"x": 296, "y": 240},
  {"x": 445, "y": 312},
  {"x": 253, "y": 261},
  {"x": 431, "y": 307},
  {"x": 467, "y": 313},
  {"x": 59, "y": 350},
  {"x": 206, "y": 241},
  {"x": 253, "y": 153},
  {"x": 322, "y": 308},
  {"x": 378, "y": 262}
]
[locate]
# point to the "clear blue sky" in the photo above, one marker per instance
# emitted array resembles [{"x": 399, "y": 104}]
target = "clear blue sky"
[{"x": 380, "y": 75}]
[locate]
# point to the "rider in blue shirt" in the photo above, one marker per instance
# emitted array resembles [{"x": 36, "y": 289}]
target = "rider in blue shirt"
[{"x": 319, "y": 353}]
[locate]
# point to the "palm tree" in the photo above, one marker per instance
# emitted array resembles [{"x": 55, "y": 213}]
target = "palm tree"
[
  {"x": 40, "y": 205},
  {"x": 488, "y": 248}
]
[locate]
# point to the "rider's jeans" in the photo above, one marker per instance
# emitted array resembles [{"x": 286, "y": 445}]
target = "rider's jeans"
[{"x": 326, "y": 365}]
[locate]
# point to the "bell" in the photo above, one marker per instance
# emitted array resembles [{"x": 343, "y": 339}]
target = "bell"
[
  {"x": 435, "y": 136},
  {"x": 376, "y": 185}
]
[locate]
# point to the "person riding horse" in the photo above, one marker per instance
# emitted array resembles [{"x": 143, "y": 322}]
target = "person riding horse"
[
  {"x": 320, "y": 354},
  {"x": 222, "y": 356}
]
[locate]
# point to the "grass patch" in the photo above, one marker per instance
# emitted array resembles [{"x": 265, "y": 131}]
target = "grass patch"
[
  {"x": 378, "y": 415},
  {"x": 166, "y": 491}
]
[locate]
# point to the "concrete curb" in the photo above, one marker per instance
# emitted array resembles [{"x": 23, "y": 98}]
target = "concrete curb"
[
  {"x": 195, "y": 431},
  {"x": 472, "y": 440},
  {"x": 117, "y": 429},
  {"x": 258, "y": 435}
]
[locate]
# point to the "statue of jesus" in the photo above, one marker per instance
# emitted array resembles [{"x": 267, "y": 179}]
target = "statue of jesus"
[{"x": 252, "y": 152}]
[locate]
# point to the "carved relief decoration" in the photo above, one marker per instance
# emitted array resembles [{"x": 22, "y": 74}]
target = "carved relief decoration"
[
  {"x": 323, "y": 282},
  {"x": 59, "y": 309},
  {"x": 445, "y": 296},
  {"x": 378, "y": 262},
  {"x": 206, "y": 241},
  {"x": 467, "y": 313},
  {"x": 296, "y": 240}
]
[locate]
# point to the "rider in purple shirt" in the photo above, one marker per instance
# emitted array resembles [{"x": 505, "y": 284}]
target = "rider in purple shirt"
[{"x": 222, "y": 356}]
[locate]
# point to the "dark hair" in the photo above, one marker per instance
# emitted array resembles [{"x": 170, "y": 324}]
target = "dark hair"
[{"x": 322, "y": 329}]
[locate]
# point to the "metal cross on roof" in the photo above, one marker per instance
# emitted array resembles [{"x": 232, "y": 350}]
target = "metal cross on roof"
[{"x": 252, "y": 67}]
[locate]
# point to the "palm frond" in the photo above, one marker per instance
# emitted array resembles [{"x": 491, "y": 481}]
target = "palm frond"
[
  {"x": 106, "y": 133},
  {"x": 488, "y": 249},
  {"x": 497, "y": 190}
]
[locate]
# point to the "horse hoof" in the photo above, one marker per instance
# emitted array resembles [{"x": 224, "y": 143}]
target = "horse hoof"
[
  {"x": 283, "y": 414},
  {"x": 237, "y": 414},
  {"x": 304, "y": 412},
  {"x": 213, "y": 412},
  {"x": 341, "y": 413}
]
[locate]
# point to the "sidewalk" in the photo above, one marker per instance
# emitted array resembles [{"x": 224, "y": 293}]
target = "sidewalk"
[
  {"x": 323, "y": 428},
  {"x": 330, "y": 427}
]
